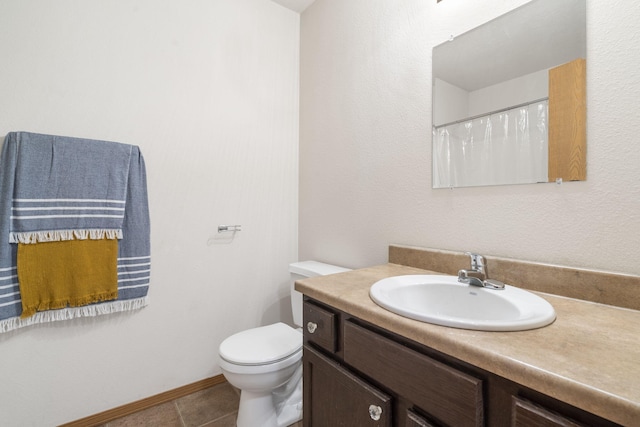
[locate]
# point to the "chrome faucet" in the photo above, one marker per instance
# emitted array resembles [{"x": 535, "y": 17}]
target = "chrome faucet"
[{"x": 477, "y": 274}]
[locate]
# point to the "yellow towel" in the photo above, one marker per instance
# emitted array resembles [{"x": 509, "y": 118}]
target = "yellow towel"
[{"x": 68, "y": 273}]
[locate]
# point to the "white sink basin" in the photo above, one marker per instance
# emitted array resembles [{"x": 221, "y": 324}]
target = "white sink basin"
[{"x": 443, "y": 300}]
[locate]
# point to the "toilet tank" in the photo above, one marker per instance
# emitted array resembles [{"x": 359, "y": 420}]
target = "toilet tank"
[{"x": 303, "y": 270}]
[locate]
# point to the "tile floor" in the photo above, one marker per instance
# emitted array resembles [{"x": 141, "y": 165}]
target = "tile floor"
[{"x": 216, "y": 406}]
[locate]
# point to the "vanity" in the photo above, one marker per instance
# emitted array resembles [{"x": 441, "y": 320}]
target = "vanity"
[{"x": 366, "y": 366}]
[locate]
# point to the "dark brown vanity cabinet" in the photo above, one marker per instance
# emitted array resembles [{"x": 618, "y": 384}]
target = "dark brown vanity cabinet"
[{"x": 357, "y": 374}]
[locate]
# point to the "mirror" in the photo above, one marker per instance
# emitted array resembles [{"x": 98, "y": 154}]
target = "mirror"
[{"x": 509, "y": 104}]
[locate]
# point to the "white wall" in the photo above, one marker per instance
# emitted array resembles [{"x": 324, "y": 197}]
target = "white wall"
[
  {"x": 365, "y": 144},
  {"x": 209, "y": 91},
  {"x": 521, "y": 90}
]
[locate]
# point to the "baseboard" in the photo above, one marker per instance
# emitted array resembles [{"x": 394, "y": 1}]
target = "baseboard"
[{"x": 130, "y": 408}]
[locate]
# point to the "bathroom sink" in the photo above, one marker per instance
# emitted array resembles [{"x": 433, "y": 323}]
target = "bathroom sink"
[{"x": 442, "y": 300}]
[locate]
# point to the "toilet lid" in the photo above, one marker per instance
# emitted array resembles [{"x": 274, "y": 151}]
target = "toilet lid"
[{"x": 259, "y": 346}]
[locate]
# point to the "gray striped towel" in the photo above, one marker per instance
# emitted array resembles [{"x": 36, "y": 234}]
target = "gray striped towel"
[{"x": 56, "y": 188}]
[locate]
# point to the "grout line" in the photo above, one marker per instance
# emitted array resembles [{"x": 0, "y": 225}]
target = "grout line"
[
  {"x": 175, "y": 405},
  {"x": 219, "y": 418},
  {"x": 234, "y": 413}
]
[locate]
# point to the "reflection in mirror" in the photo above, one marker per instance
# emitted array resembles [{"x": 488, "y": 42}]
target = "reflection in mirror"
[{"x": 509, "y": 104}]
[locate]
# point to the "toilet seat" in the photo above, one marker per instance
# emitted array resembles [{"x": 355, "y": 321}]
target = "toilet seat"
[
  {"x": 266, "y": 369},
  {"x": 260, "y": 346}
]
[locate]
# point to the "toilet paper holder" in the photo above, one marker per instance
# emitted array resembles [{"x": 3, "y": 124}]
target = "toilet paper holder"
[{"x": 229, "y": 228}]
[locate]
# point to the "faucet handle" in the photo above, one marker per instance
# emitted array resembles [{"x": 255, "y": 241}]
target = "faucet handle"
[{"x": 478, "y": 262}]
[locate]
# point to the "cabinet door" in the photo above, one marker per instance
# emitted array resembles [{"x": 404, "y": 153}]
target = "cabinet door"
[{"x": 334, "y": 397}]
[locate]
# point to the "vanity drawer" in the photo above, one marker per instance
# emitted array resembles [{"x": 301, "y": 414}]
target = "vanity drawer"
[
  {"x": 415, "y": 420},
  {"x": 528, "y": 414},
  {"x": 451, "y": 396},
  {"x": 320, "y": 326}
]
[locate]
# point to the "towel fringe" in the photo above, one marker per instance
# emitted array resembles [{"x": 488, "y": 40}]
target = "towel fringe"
[
  {"x": 69, "y": 302},
  {"x": 30, "y": 237},
  {"x": 74, "y": 312}
]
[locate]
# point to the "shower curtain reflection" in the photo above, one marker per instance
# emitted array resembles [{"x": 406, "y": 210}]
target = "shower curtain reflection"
[{"x": 501, "y": 148}]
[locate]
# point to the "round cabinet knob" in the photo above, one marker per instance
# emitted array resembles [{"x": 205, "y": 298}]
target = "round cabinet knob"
[
  {"x": 311, "y": 327},
  {"x": 375, "y": 412}
]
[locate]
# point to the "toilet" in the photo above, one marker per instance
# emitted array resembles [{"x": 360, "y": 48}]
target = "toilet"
[{"x": 265, "y": 363}]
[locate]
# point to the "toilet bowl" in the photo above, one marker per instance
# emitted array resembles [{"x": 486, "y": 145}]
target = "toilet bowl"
[{"x": 265, "y": 363}]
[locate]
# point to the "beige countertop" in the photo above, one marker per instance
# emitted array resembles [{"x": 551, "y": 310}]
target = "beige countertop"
[{"x": 589, "y": 357}]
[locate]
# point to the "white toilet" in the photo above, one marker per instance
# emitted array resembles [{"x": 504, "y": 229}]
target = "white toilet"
[{"x": 265, "y": 363}]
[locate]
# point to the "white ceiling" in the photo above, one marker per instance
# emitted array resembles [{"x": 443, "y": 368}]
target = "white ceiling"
[{"x": 295, "y": 5}]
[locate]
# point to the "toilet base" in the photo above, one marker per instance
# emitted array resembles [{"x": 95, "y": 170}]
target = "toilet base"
[
  {"x": 256, "y": 409},
  {"x": 288, "y": 399},
  {"x": 279, "y": 408}
]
